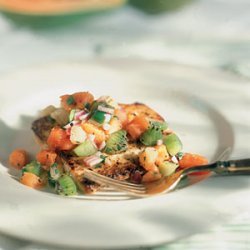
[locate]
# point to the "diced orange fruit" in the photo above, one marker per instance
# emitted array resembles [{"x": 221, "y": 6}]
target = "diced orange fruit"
[
  {"x": 137, "y": 126},
  {"x": 59, "y": 140},
  {"x": 31, "y": 180},
  {"x": 46, "y": 158},
  {"x": 18, "y": 158},
  {"x": 77, "y": 100},
  {"x": 83, "y": 98},
  {"x": 192, "y": 160},
  {"x": 99, "y": 134}
]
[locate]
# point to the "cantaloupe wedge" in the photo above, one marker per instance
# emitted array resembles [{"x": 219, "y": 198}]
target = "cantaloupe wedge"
[{"x": 56, "y": 7}]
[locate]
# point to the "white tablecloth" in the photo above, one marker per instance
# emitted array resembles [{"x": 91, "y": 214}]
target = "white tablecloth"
[{"x": 206, "y": 33}]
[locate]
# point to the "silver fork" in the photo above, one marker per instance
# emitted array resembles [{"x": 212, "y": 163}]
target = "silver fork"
[{"x": 168, "y": 184}]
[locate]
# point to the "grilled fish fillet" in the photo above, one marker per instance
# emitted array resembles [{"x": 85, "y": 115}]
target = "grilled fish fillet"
[
  {"x": 122, "y": 166},
  {"x": 141, "y": 109}
]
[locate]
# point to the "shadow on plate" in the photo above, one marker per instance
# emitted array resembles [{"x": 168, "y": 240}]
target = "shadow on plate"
[{"x": 13, "y": 138}]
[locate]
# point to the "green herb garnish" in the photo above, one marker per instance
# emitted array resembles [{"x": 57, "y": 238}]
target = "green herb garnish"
[{"x": 71, "y": 100}]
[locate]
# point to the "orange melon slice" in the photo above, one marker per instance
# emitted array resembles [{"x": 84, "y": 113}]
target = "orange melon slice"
[{"x": 56, "y": 7}]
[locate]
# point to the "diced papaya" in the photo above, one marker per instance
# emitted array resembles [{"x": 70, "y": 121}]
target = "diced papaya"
[
  {"x": 83, "y": 99},
  {"x": 191, "y": 160},
  {"x": 18, "y": 158},
  {"x": 31, "y": 180},
  {"x": 115, "y": 125},
  {"x": 46, "y": 158},
  {"x": 79, "y": 100},
  {"x": 99, "y": 134},
  {"x": 59, "y": 139},
  {"x": 68, "y": 102},
  {"x": 137, "y": 126}
]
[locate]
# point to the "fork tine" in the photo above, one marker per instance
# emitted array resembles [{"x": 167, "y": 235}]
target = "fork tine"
[
  {"x": 131, "y": 192},
  {"x": 101, "y": 180},
  {"x": 108, "y": 178},
  {"x": 117, "y": 184},
  {"x": 132, "y": 189},
  {"x": 124, "y": 183},
  {"x": 128, "y": 184}
]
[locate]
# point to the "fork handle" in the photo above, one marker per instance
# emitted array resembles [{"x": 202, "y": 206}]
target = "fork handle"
[{"x": 232, "y": 167}]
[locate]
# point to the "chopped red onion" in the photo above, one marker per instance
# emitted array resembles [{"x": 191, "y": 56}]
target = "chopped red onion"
[
  {"x": 83, "y": 117},
  {"x": 102, "y": 146},
  {"x": 79, "y": 114},
  {"x": 92, "y": 160}
]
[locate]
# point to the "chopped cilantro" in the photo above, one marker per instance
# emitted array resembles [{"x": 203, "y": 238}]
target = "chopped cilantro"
[
  {"x": 87, "y": 106},
  {"x": 179, "y": 155},
  {"x": 70, "y": 100},
  {"x": 103, "y": 157}
]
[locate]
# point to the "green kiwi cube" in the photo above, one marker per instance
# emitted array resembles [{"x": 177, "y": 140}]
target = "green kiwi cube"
[
  {"x": 151, "y": 136},
  {"x": 33, "y": 167},
  {"x": 173, "y": 144},
  {"x": 167, "y": 168},
  {"x": 87, "y": 148},
  {"x": 116, "y": 143},
  {"x": 66, "y": 186}
]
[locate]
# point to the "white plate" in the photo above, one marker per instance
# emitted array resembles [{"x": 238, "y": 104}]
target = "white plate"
[{"x": 208, "y": 109}]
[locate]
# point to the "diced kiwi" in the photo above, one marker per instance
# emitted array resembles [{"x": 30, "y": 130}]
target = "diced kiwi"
[
  {"x": 151, "y": 136},
  {"x": 117, "y": 142},
  {"x": 162, "y": 125},
  {"x": 87, "y": 148},
  {"x": 173, "y": 144},
  {"x": 167, "y": 168},
  {"x": 66, "y": 186},
  {"x": 33, "y": 167}
]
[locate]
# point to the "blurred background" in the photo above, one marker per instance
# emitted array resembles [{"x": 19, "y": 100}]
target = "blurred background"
[{"x": 204, "y": 33}]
